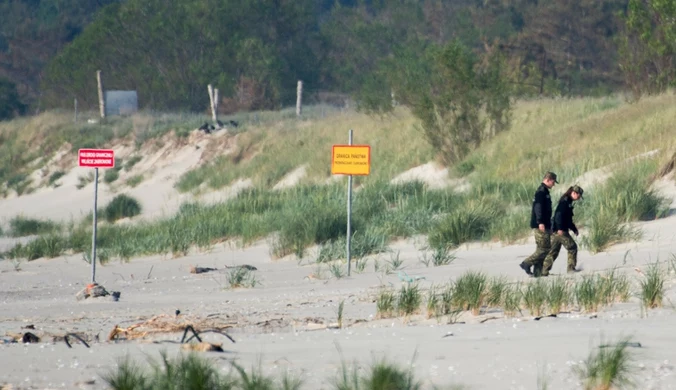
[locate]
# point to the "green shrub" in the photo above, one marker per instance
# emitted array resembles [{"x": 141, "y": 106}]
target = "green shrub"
[
  {"x": 110, "y": 176},
  {"x": 21, "y": 226},
  {"x": 467, "y": 223},
  {"x": 134, "y": 180},
  {"x": 131, "y": 162},
  {"x": 122, "y": 206},
  {"x": 55, "y": 176}
]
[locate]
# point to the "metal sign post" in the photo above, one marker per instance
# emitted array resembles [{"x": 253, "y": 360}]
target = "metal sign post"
[
  {"x": 350, "y": 160},
  {"x": 349, "y": 214},
  {"x": 95, "y": 158},
  {"x": 96, "y": 193}
]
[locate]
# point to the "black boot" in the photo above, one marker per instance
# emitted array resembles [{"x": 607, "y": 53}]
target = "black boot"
[{"x": 526, "y": 268}]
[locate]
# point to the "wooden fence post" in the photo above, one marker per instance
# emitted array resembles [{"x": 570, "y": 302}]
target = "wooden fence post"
[
  {"x": 215, "y": 116},
  {"x": 211, "y": 102},
  {"x": 102, "y": 101},
  {"x": 299, "y": 98}
]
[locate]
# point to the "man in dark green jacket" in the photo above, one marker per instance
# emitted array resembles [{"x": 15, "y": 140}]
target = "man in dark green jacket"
[{"x": 541, "y": 223}]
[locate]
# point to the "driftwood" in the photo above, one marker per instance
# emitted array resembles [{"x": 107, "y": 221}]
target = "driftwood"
[{"x": 162, "y": 324}]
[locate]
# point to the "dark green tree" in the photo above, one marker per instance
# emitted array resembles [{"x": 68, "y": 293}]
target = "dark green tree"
[
  {"x": 648, "y": 46},
  {"x": 10, "y": 104}
]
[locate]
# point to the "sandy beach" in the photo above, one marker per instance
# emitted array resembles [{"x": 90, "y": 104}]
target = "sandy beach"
[{"x": 279, "y": 323}]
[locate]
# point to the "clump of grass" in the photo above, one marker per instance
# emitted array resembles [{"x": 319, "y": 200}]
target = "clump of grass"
[
  {"x": 122, "y": 206},
  {"x": 627, "y": 196},
  {"x": 513, "y": 296},
  {"x": 385, "y": 304},
  {"x": 433, "y": 303},
  {"x": 336, "y": 270},
  {"x": 341, "y": 307},
  {"x": 382, "y": 375},
  {"x": 360, "y": 265},
  {"x": 604, "y": 230},
  {"x": 82, "y": 181},
  {"x": 395, "y": 262},
  {"x": 471, "y": 222},
  {"x": 615, "y": 287},
  {"x": 496, "y": 291},
  {"x": 127, "y": 376},
  {"x": 21, "y": 226},
  {"x": 50, "y": 246},
  {"x": 447, "y": 300},
  {"x": 131, "y": 162},
  {"x": 409, "y": 299},
  {"x": 558, "y": 295},
  {"x": 134, "y": 180},
  {"x": 54, "y": 177},
  {"x": 589, "y": 292},
  {"x": 608, "y": 367},
  {"x": 241, "y": 277},
  {"x": 111, "y": 175},
  {"x": 652, "y": 287},
  {"x": 440, "y": 256},
  {"x": 386, "y": 375},
  {"x": 535, "y": 297},
  {"x": 191, "y": 371},
  {"x": 470, "y": 291}
]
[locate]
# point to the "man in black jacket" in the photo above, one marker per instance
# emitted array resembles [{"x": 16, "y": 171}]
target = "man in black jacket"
[{"x": 541, "y": 223}]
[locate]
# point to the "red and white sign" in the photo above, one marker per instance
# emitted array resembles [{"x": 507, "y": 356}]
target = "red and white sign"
[{"x": 96, "y": 158}]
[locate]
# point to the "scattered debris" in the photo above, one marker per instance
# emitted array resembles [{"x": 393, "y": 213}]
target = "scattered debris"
[
  {"x": 29, "y": 338},
  {"x": 244, "y": 266},
  {"x": 488, "y": 319},
  {"x": 541, "y": 317},
  {"x": 200, "y": 270},
  {"x": 164, "y": 323},
  {"x": 94, "y": 290},
  {"x": 65, "y": 339},
  {"x": 203, "y": 347},
  {"x": 625, "y": 343}
]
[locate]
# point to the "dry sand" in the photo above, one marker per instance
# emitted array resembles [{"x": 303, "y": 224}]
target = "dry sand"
[
  {"x": 276, "y": 322},
  {"x": 501, "y": 353}
]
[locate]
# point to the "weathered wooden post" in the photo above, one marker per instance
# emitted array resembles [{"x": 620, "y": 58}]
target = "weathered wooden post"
[
  {"x": 102, "y": 101},
  {"x": 215, "y": 116},
  {"x": 212, "y": 101},
  {"x": 299, "y": 98}
]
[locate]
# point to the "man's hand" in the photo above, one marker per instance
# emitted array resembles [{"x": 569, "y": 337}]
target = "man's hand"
[
  {"x": 560, "y": 232},
  {"x": 576, "y": 232},
  {"x": 541, "y": 227}
]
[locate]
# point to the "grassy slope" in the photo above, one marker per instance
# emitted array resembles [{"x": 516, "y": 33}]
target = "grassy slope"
[{"x": 568, "y": 136}]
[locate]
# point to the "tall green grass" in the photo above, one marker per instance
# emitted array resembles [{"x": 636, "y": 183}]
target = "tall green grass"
[
  {"x": 610, "y": 366},
  {"x": 625, "y": 197},
  {"x": 22, "y": 226}
]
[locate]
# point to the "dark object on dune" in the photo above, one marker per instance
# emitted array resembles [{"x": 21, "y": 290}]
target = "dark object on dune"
[
  {"x": 245, "y": 266},
  {"x": 207, "y": 128},
  {"x": 75, "y": 336},
  {"x": 29, "y": 338},
  {"x": 233, "y": 123},
  {"x": 200, "y": 270}
]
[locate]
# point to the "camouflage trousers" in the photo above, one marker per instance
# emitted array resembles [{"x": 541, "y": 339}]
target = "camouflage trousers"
[
  {"x": 543, "y": 245},
  {"x": 557, "y": 242}
]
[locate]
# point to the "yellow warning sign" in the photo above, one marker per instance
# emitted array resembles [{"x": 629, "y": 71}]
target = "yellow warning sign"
[{"x": 351, "y": 160}]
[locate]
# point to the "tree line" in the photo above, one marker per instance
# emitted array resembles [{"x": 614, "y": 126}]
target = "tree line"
[{"x": 254, "y": 51}]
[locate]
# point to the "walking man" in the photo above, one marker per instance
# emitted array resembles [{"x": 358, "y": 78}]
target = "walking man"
[{"x": 541, "y": 223}]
